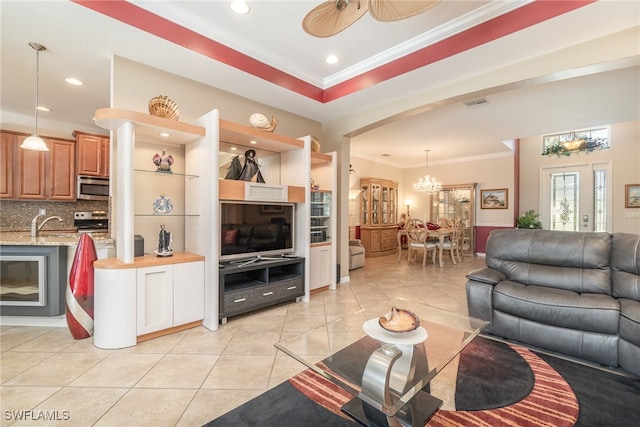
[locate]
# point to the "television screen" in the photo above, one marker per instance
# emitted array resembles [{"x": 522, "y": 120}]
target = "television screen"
[{"x": 252, "y": 229}]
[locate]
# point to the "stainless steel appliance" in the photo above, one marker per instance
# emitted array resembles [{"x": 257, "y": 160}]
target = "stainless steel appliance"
[
  {"x": 92, "y": 188},
  {"x": 91, "y": 221}
]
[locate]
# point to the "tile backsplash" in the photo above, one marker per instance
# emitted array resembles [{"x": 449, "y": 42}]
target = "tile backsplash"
[{"x": 16, "y": 215}]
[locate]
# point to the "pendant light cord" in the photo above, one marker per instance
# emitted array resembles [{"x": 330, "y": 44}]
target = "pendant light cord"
[{"x": 38, "y": 48}]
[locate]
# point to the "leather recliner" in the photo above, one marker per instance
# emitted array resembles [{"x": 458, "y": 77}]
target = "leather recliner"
[{"x": 575, "y": 293}]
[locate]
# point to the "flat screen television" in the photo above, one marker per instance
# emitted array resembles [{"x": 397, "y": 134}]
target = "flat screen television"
[{"x": 249, "y": 230}]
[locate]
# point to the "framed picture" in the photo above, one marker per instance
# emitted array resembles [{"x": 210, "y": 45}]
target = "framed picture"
[
  {"x": 632, "y": 196},
  {"x": 494, "y": 199},
  {"x": 271, "y": 209}
]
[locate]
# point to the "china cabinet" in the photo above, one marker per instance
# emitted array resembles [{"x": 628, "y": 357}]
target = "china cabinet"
[
  {"x": 320, "y": 207},
  {"x": 378, "y": 216},
  {"x": 457, "y": 201}
]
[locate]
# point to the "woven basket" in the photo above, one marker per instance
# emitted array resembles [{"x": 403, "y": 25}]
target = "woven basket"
[
  {"x": 315, "y": 144},
  {"x": 163, "y": 106}
]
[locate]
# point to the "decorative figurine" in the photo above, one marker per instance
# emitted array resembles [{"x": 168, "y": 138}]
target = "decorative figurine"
[
  {"x": 164, "y": 242},
  {"x": 162, "y": 205},
  {"x": 163, "y": 162},
  {"x": 251, "y": 170},
  {"x": 260, "y": 121}
]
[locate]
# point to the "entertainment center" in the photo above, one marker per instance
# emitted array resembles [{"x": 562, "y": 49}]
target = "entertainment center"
[
  {"x": 248, "y": 285},
  {"x": 212, "y": 222}
]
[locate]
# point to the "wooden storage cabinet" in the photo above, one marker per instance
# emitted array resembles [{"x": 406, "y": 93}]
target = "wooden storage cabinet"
[
  {"x": 92, "y": 154},
  {"x": 378, "y": 216},
  {"x": 244, "y": 288}
]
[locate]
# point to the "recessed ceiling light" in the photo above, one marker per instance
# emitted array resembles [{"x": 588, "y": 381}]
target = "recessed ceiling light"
[
  {"x": 233, "y": 148},
  {"x": 164, "y": 135},
  {"x": 74, "y": 81},
  {"x": 241, "y": 7},
  {"x": 332, "y": 59},
  {"x": 253, "y": 142},
  {"x": 41, "y": 108}
]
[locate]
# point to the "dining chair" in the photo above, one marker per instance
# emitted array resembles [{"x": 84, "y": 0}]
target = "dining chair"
[
  {"x": 417, "y": 240},
  {"x": 452, "y": 244}
]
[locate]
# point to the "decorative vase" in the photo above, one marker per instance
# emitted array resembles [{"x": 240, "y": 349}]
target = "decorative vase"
[
  {"x": 79, "y": 294},
  {"x": 163, "y": 161}
]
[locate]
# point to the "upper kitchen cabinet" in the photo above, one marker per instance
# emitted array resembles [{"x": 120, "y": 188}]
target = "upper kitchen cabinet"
[
  {"x": 7, "y": 156},
  {"x": 92, "y": 154},
  {"x": 37, "y": 175}
]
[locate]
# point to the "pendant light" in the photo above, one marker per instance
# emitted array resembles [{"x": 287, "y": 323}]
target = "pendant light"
[
  {"x": 34, "y": 142},
  {"x": 426, "y": 186}
]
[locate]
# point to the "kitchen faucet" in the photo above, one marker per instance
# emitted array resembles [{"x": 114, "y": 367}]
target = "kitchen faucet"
[{"x": 34, "y": 223}]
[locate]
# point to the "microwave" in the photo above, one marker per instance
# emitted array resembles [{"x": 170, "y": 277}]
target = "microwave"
[{"x": 92, "y": 188}]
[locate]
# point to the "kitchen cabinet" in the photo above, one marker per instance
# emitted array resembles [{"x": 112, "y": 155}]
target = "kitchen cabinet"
[
  {"x": 62, "y": 177},
  {"x": 32, "y": 168},
  {"x": 7, "y": 155},
  {"x": 378, "y": 216},
  {"x": 92, "y": 154},
  {"x": 457, "y": 202},
  {"x": 37, "y": 175}
]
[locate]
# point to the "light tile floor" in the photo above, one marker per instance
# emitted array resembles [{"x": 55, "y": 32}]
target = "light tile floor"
[{"x": 191, "y": 377}]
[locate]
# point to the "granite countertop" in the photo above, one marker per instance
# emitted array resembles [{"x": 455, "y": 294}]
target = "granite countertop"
[{"x": 50, "y": 238}]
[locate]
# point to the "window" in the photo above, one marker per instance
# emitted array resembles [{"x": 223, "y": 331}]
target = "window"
[{"x": 566, "y": 143}]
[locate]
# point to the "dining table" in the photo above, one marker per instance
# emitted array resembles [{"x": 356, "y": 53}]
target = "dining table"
[{"x": 441, "y": 234}]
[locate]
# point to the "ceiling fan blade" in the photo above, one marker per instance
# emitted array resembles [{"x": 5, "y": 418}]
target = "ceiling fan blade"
[
  {"x": 394, "y": 10},
  {"x": 329, "y": 19}
]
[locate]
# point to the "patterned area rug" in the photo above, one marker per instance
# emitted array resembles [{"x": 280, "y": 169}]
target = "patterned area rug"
[{"x": 498, "y": 384}]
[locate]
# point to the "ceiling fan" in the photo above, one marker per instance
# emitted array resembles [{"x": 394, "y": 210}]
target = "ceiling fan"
[{"x": 333, "y": 16}]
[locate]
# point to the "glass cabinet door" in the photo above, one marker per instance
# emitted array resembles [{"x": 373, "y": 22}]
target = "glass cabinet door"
[
  {"x": 320, "y": 216},
  {"x": 365, "y": 206},
  {"x": 375, "y": 204},
  {"x": 457, "y": 202},
  {"x": 378, "y": 202}
]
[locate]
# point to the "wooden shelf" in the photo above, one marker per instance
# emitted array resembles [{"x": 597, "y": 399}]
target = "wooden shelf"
[
  {"x": 317, "y": 158},
  {"x": 148, "y": 127},
  {"x": 235, "y": 133}
]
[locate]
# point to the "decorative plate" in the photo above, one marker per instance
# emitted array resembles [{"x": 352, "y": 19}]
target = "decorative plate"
[
  {"x": 373, "y": 329},
  {"x": 162, "y": 205}
]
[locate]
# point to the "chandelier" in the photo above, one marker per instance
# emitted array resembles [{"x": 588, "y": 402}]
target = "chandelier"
[{"x": 426, "y": 186}]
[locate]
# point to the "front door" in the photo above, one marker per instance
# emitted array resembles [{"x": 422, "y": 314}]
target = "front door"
[{"x": 574, "y": 198}]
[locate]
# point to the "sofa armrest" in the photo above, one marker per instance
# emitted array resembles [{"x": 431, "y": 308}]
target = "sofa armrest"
[
  {"x": 486, "y": 275},
  {"x": 355, "y": 242}
]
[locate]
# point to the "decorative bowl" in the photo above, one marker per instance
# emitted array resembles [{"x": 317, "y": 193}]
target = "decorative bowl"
[
  {"x": 399, "y": 320},
  {"x": 315, "y": 144},
  {"x": 163, "y": 106}
]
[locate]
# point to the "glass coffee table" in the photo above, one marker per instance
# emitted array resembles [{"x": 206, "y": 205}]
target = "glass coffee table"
[{"x": 387, "y": 372}]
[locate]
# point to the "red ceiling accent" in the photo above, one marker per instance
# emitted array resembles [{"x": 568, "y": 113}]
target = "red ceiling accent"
[{"x": 523, "y": 17}]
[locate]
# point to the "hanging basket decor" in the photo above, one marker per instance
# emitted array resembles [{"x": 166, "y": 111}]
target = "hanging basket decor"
[{"x": 163, "y": 106}]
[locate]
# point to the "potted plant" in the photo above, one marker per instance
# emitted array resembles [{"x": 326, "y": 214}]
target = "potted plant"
[{"x": 529, "y": 220}]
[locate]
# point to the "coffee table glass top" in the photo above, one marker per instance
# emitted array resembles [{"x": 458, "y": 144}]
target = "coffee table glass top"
[{"x": 384, "y": 369}]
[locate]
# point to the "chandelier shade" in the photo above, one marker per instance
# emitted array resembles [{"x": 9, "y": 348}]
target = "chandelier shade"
[
  {"x": 427, "y": 185},
  {"x": 34, "y": 142}
]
